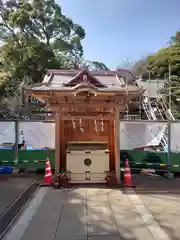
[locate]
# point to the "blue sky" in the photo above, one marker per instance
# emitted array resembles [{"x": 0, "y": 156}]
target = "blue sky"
[{"x": 122, "y": 31}]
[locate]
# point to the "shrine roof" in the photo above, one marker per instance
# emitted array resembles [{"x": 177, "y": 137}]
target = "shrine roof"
[{"x": 65, "y": 80}]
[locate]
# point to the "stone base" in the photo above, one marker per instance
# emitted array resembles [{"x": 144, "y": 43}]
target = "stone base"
[
  {"x": 15, "y": 171},
  {"x": 169, "y": 175}
]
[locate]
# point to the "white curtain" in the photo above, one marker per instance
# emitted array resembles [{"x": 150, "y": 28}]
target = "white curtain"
[
  {"x": 37, "y": 134},
  {"x": 175, "y": 137},
  {"x": 137, "y": 134},
  {"x": 7, "y": 132}
]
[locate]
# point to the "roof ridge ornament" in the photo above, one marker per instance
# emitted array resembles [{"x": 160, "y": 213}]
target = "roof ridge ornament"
[{"x": 85, "y": 79}]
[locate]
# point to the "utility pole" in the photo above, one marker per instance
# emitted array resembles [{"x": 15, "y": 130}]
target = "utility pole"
[
  {"x": 169, "y": 120},
  {"x": 149, "y": 81},
  {"x": 169, "y": 86},
  {"x": 127, "y": 102}
]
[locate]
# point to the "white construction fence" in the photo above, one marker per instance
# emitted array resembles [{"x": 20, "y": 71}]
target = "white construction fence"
[{"x": 133, "y": 135}]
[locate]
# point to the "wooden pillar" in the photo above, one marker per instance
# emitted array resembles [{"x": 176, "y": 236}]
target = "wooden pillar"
[
  {"x": 111, "y": 136},
  {"x": 62, "y": 144},
  {"x": 57, "y": 142},
  {"x": 117, "y": 146}
]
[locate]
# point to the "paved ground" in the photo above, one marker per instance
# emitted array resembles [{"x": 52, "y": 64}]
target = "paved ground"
[
  {"x": 149, "y": 212},
  {"x": 10, "y": 189},
  {"x": 147, "y": 184},
  {"x": 162, "y": 198}
]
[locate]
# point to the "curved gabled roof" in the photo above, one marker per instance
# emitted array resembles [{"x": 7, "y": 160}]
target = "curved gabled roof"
[
  {"x": 79, "y": 78},
  {"x": 102, "y": 80}
]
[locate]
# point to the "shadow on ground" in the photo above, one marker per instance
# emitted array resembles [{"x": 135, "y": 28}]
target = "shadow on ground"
[
  {"x": 155, "y": 184},
  {"x": 119, "y": 220},
  {"x": 95, "y": 212},
  {"x": 146, "y": 184},
  {"x": 86, "y": 213}
]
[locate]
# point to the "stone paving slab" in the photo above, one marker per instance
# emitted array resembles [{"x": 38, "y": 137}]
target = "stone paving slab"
[
  {"x": 166, "y": 210},
  {"x": 104, "y": 238},
  {"x": 101, "y": 221},
  {"x": 85, "y": 213},
  {"x": 162, "y": 198},
  {"x": 69, "y": 238},
  {"x": 73, "y": 221},
  {"x": 45, "y": 221},
  {"x": 129, "y": 223},
  {"x": 96, "y": 196}
]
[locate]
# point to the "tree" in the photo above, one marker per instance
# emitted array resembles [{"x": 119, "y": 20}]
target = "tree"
[
  {"x": 158, "y": 63},
  {"x": 176, "y": 38},
  {"x": 140, "y": 67},
  {"x": 126, "y": 63},
  {"x": 97, "y": 66},
  {"x": 33, "y": 32},
  {"x": 162, "y": 63},
  {"x": 36, "y": 36}
]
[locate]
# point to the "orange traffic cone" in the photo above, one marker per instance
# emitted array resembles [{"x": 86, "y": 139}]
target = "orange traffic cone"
[
  {"x": 48, "y": 174},
  {"x": 127, "y": 176}
]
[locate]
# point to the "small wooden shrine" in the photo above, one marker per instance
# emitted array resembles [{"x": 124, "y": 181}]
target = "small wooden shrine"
[{"x": 87, "y": 107}]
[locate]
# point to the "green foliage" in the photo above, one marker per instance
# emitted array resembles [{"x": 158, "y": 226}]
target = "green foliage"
[
  {"x": 35, "y": 35},
  {"x": 98, "y": 66},
  {"x": 162, "y": 63},
  {"x": 175, "y": 39},
  {"x": 158, "y": 63}
]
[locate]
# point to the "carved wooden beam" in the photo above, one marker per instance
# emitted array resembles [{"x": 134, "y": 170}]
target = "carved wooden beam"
[
  {"x": 74, "y": 93},
  {"x": 81, "y": 105},
  {"x": 88, "y": 117},
  {"x": 82, "y": 111},
  {"x": 87, "y": 114},
  {"x": 61, "y": 94},
  {"x": 84, "y": 98}
]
